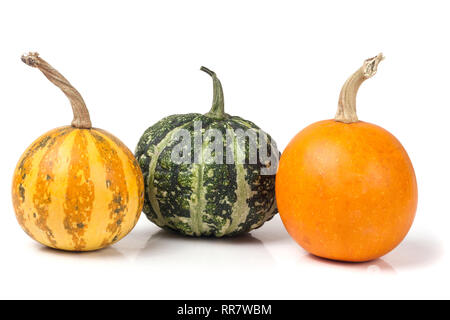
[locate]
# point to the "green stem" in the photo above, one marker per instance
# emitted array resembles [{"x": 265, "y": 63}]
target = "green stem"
[{"x": 217, "y": 110}]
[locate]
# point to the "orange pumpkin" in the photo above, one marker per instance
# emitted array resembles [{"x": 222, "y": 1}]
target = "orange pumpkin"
[
  {"x": 346, "y": 189},
  {"x": 76, "y": 188}
]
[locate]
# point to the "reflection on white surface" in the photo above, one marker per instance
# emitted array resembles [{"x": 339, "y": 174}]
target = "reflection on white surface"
[
  {"x": 105, "y": 254},
  {"x": 375, "y": 266},
  {"x": 416, "y": 251},
  {"x": 269, "y": 247},
  {"x": 267, "y": 263},
  {"x": 240, "y": 252}
]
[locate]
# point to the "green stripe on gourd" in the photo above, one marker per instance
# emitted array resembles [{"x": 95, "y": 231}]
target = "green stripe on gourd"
[{"x": 205, "y": 198}]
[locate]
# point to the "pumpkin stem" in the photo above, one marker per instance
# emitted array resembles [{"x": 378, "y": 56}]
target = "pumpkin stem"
[
  {"x": 347, "y": 100},
  {"x": 217, "y": 111},
  {"x": 81, "y": 117}
]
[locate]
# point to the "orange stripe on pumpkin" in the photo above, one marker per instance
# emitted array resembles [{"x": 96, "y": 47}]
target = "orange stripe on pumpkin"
[
  {"x": 126, "y": 155},
  {"x": 79, "y": 191},
  {"x": 115, "y": 181},
  {"x": 42, "y": 197},
  {"x": 22, "y": 174}
]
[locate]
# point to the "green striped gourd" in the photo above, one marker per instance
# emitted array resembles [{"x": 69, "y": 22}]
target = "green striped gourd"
[{"x": 207, "y": 198}]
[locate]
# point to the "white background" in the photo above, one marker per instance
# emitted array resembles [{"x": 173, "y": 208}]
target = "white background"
[{"x": 282, "y": 64}]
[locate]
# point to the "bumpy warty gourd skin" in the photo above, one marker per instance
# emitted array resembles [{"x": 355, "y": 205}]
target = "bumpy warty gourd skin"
[{"x": 205, "y": 199}]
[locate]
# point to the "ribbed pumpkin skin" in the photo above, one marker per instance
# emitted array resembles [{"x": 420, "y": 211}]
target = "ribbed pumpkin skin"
[
  {"x": 77, "y": 189},
  {"x": 203, "y": 199}
]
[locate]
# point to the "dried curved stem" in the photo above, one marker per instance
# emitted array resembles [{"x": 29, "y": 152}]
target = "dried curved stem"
[
  {"x": 347, "y": 100},
  {"x": 81, "y": 117}
]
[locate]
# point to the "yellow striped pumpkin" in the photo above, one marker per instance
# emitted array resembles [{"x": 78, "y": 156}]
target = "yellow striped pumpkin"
[{"x": 76, "y": 187}]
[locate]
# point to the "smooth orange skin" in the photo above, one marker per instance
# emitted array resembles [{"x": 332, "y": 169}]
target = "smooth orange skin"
[{"x": 346, "y": 192}]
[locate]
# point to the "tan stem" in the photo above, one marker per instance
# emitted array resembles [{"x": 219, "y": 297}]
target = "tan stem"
[
  {"x": 347, "y": 100},
  {"x": 81, "y": 117}
]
